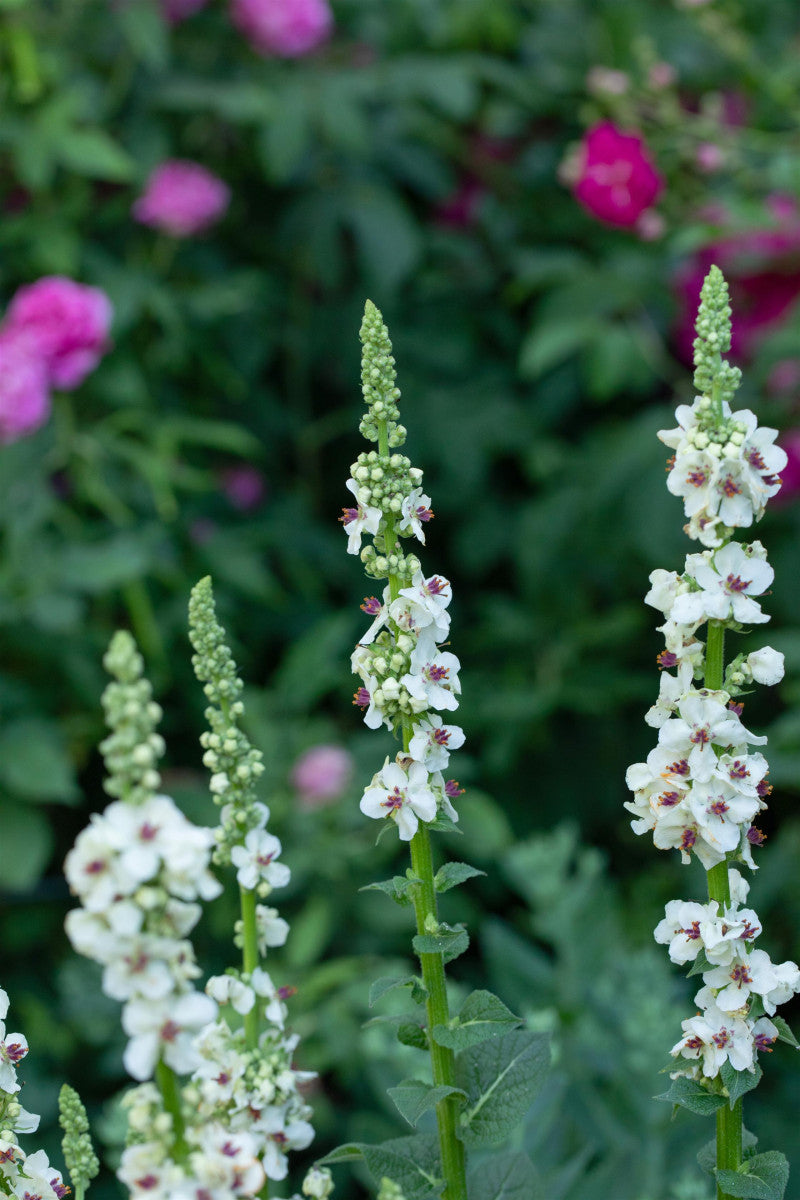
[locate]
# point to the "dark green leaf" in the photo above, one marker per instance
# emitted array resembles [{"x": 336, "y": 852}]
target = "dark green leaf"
[
  {"x": 692, "y": 1095},
  {"x": 501, "y": 1077},
  {"x": 547, "y": 345},
  {"x": 387, "y": 984},
  {"x": 763, "y": 1177},
  {"x": 413, "y": 1097},
  {"x": 452, "y": 873},
  {"x": 398, "y": 888},
  {"x": 700, "y": 965},
  {"x": 482, "y": 1016},
  {"x": 409, "y": 1033},
  {"x": 784, "y": 1032},
  {"x": 739, "y": 1082},
  {"x": 707, "y": 1156},
  {"x": 412, "y": 1163},
  {"x": 449, "y": 942},
  {"x": 27, "y": 845},
  {"x": 93, "y": 153},
  {"x": 505, "y": 1177},
  {"x": 34, "y": 761}
]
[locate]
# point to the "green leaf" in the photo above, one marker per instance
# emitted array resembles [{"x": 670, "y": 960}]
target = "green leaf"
[
  {"x": 501, "y": 1077},
  {"x": 409, "y": 1033},
  {"x": 35, "y": 763},
  {"x": 707, "y": 1156},
  {"x": 145, "y": 31},
  {"x": 700, "y": 965},
  {"x": 386, "y": 235},
  {"x": 413, "y": 1097},
  {"x": 444, "y": 824},
  {"x": 450, "y": 941},
  {"x": 27, "y": 845},
  {"x": 784, "y": 1032},
  {"x": 763, "y": 1177},
  {"x": 398, "y": 888},
  {"x": 692, "y": 1095},
  {"x": 451, "y": 874},
  {"x": 505, "y": 1177},
  {"x": 412, "y": 1163},
  {"x": 549, "y": 344},
  {"x": 387, "y": 984},
  {"x": 482, "y": 1016},
  {"x": 93, "y": 153},
  {"x": 739, "y": 1082}
]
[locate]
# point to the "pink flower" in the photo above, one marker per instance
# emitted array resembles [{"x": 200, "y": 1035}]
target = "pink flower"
[
  {"x": 244, "y": 486},
  {"x": 67, "y": 322},
  {"x": 286, "y": 28},
  {"x": 321, "y": 775},
  {"x": 181, "y": 198},
  {"x": 616, "y": 179},
  {"x": 24, "y": 396},
  {"x": 790, "y": 489},
  {"x": 179, "y": 10}
]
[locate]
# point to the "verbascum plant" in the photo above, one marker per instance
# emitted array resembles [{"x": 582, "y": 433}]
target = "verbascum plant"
[
  {"x": 484, "y": 1069},
  {"x": 704, "y": 785}
]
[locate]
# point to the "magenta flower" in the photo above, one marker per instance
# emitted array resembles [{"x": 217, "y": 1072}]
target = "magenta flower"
[
  {"x": 24, "y": 395},
  {"x": 617, "y": 180},
  {"x": 244, "y": 486},
  {"x": 181, "y": 198},
  {"x": 286, "y": 28},
  {"x": 67, "y": 323},
  {"x": 321, "y": 775},
  {"x": 790, "y": 475}
]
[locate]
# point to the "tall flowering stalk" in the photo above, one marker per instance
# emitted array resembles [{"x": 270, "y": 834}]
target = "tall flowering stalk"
[
  {"x": 217, "y": 1105},
  {"x": 484, "y": 1070},
  {"x": 704, "y": 784}
]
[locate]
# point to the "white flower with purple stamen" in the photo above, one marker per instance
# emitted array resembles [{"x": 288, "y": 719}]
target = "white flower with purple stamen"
[
  {"x": 704, "y": 722},
  {"x": 433, "y": 741},
  {"x": 766, "y": 665},
  {"x": 424, "y": 604},
  {"x": 727, "y": 584},
  {"x": 750, "y": 971},
  {"x": 165, "y": 1029},
  {"x": 364, "y": 518},
  {"x": 681, "y": 928},
  {"x": 13, "y": 1049},
  {"x": 415, "y": 511},
  {"x": 719, "y": 810},
  {"x": 716, "y": 1037},
  {"x": 255, "y": 861},
  {"x": 404, "y": 794},
  {"x": 433, "y": 676}
]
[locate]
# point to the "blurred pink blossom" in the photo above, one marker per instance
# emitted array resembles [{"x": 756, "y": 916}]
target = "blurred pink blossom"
[
  {"x": 179, "y": 10},
  {"x": 245, "y": 486},
  {"x": 661, "y": 75},
  {"x": 182, "y": 198},
  {"x": 784, "y": 376},
  {"x": 24, "y": 396},
  {"x": 762, "y": 267},
  {"x": 67, "y": 322},
  {"x": 709, "y": 157},
  {"x": 790, "y": 442},
  {"x": 460, "y": 208},
  {"x": 650, "y": 225},
  {"x": 615, "y": 177},
  {"x": 286, "y": 28},
  {"x": 321, "y": 774}
]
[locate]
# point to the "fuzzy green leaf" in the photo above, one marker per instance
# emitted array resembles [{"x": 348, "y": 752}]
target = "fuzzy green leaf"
[
  {"x": 505, "y": 1177},
  {"x": 707, "y": 1156},
  {"x": 763, "y": 1177},
  {"x": 398, "y": 888},
  {"x": 784, "y": 1032},
  {"x": 409, "y": 1033},
  {"x": 482, "y": 1016},
  {"x": 450, "y": 941},
  {"x": 412, "y": 1163},
  {"x": 700, "y": 965},
  {"x": 692, "y": 1095},
  {"x": 739, "y": 1082},
  {"x": 451, "y": 874},
  {"x": 387, "y": 984},
  {"x": 501, "y": 1077},
  {"x": 413, "y": 1097}
]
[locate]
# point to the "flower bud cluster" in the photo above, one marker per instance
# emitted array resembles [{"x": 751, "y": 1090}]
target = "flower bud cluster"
[
  {"x": 133, "y": 746},
  {"x": 407, "y": 679},
  {"x": 21, "y": 1174},
  {"x": 378, "y": 384},
  {"x": 703, "y": 785},
  {"x": 234, "y": 764},
  {"x": 82, "y": 1162}
]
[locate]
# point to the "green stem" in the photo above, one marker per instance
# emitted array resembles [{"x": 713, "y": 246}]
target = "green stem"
[
  {"x": 438, "y": 1013},
  {"x": 729, "y": 1120},
  {"x": 167, "y": 1082},
  {"x": 249, "y": 959}
]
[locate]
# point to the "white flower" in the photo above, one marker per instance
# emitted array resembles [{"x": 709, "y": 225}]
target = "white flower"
[
  {"x": 405, "y": 796},
  {"x": 423, "y": 605},
  {"x": 433, "y": 676},
  {"x": 727, "y": 584},
  {"x": 433, "y": 741},
  {"x": 13, "y": 1048},
  {"x": 226, "y": 989},
  {"x": 671, "y": 690},
  {"x": 255, "y": 861},
  {"x": 715, "y": 1037},
  {"x": 358, "y": 520},
  {"x": 766, "y": 665},
  {"x": 719, "y": 811},
  {"x": 272, "y": 929},
  {"x": 750, "y": 971},
  {"x": 415, "y": 510},
  {"x": 165, "y": 1029},
  {"x": 704, "y": 722},
  {"x": 664, "y": 587},
  {"x": 681, "y": 928},
  {"x": 3, "y": 1004},
  {"x": 787, "y": 976}
]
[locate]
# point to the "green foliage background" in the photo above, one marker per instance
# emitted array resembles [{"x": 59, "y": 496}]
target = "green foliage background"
[{"x": 537, "y": 359}]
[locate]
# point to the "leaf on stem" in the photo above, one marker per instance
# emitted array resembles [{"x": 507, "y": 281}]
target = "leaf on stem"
[
  {"x": 398, "y": 888},
  {"x": 483, "y": 1015},
  {"x": 387, "y": 984},
  {"x": 692, "y": 1095},
  {"x": 411, "y": 1162},
  {"x": 784, "y": 1032},
  {"x": 707, "y": 1156},
  {"x": 739, "y": 1082},
  {"x": 450, "y": 941},
  {"x": 506, "y": 1177},
  {"x": 501, "y": 1077},
  {"x": 413, "y": 1097},
  {"x": 763, "y": 1177},
  {"x": 451, "y": 874}
]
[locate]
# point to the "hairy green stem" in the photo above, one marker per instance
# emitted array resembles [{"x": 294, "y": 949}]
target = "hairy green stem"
[
  {"x": 247, "y": 898},
  {"x": 729, "y": 1120},
  {"x": 433, "y": 973}
]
